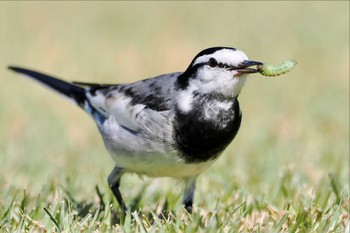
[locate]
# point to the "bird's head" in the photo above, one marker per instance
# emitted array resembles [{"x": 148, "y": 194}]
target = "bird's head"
[{"x": 219, "y": 69}]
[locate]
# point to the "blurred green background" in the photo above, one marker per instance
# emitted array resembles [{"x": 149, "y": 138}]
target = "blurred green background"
[{"x": 297, "y": 123}]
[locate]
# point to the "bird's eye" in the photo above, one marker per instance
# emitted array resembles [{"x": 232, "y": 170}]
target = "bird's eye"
[{"x": 212, "y": 62}]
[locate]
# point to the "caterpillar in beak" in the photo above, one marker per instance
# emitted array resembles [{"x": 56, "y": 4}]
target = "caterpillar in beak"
[{"x": 272, "y": 70}]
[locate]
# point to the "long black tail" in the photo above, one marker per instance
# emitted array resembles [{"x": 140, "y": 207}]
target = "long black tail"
[{"x": 73, "y": 92}]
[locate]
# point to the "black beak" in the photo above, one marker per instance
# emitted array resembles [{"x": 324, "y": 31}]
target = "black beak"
[{"x": 244, "y": 67}]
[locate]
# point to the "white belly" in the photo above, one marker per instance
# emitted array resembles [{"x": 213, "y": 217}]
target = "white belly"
[{"x": 159, "y": 165}]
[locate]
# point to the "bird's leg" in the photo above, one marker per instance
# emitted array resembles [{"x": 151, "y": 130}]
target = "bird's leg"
[
  {"x": 190, "y": 185},
  {"x": 114, "y": 182}
]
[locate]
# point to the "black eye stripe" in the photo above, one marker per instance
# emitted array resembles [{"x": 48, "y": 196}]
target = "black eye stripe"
[{"x": 213, "y": 63}]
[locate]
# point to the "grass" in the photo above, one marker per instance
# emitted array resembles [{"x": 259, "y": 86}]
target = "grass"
[
  {"x": 288, "y": 209},
  {"x": 287, "y": 170}
]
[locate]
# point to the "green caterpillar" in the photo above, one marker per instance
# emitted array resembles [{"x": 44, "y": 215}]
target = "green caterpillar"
[{"x": 276, "y": 69}]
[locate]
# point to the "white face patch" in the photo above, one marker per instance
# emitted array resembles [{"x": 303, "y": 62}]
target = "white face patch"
[
  {"x": 224, "y": 82},
  {"x": 219, "y": 79}
]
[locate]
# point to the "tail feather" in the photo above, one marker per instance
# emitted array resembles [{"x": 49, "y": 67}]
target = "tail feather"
[
  {"x": 67, "y": 89},
  {"x": 76, "y": 93}
]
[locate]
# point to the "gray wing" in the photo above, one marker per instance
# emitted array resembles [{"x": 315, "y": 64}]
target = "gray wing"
[
  {"x": 138, "y": 116},
  {"x": 139, "y": 107}
]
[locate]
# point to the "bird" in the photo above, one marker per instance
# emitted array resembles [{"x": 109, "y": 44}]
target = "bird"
[{"x": 172, "y": 125}]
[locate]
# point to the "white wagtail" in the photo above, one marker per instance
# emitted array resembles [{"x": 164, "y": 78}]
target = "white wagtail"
[{"x": 174, "y": 125}]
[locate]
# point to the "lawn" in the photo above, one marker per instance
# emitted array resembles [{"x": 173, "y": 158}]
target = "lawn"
[{"x": 286, "y": 171}]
